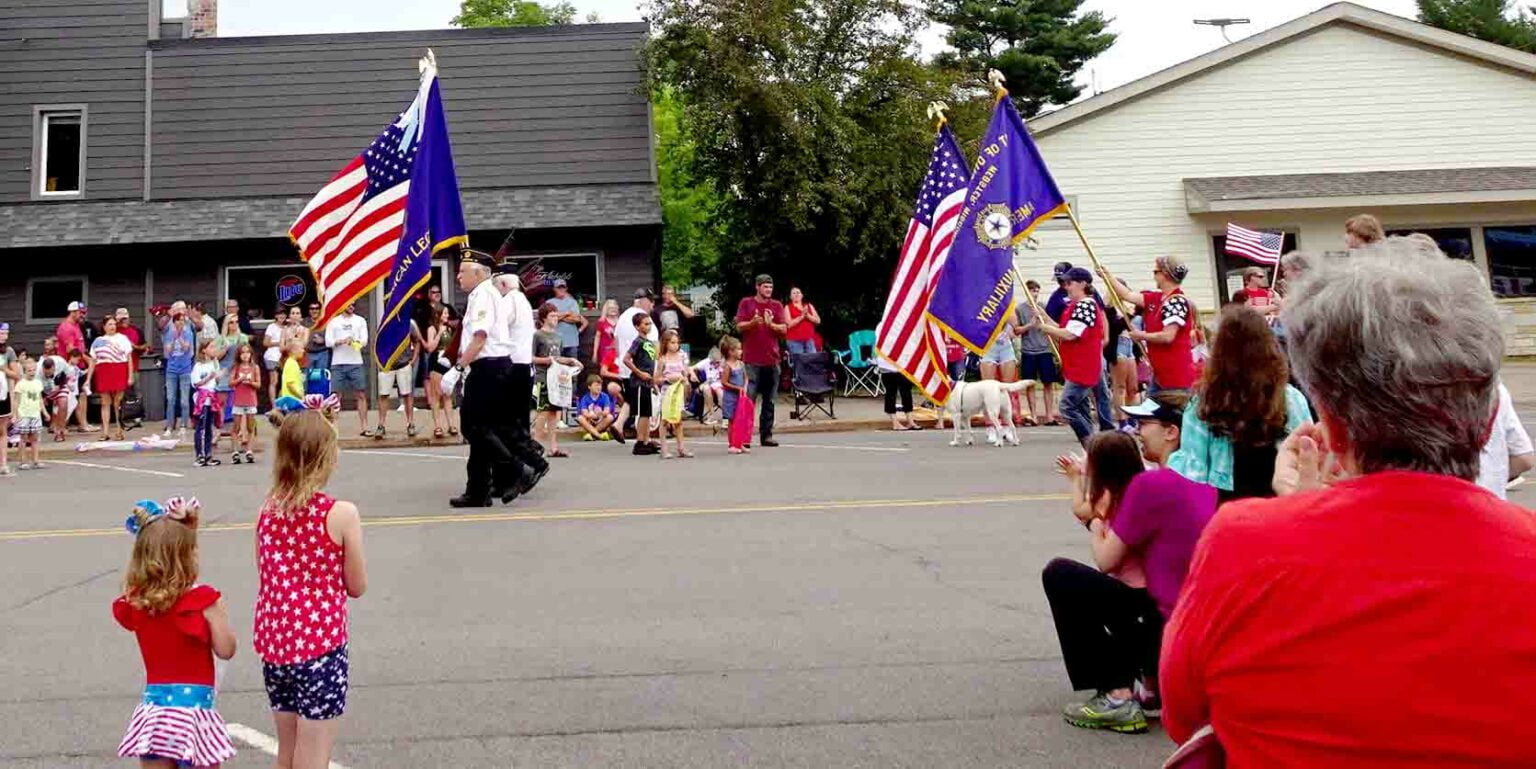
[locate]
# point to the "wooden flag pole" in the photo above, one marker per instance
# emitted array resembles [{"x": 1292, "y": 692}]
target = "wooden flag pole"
[
  {"x": 1109, "y": 279},
  {"x": 1019, "y": 283}
]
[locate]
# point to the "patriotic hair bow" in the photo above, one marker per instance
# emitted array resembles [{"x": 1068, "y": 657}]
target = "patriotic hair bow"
[
  {"x": 146, "y": 511},
  {"x": 329, "y": 404}
]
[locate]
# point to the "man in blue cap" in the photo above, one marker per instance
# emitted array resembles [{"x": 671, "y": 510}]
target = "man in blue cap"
[{"x": 1080, "y": 332}]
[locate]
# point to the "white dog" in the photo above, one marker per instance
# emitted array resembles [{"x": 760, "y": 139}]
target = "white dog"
[{"x": 989, "y": 397}]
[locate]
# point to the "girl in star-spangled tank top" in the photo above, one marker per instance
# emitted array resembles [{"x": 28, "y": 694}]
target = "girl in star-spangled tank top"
[{"x": 309, "y": 557}]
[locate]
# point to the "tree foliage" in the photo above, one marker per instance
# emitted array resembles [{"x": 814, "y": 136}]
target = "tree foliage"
[
  {"x": 1496, "y": 21},
  {"x": 513, "y": 13},
  {"x": 1038, "y": 45},
  {"x": 806, "y": 118},
  {"x": 690, "y": 206}
]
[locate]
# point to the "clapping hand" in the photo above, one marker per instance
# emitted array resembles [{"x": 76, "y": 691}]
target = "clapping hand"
[
  {"x": 1070, "y": 465},
  {"x": 1302, "y": 463}
]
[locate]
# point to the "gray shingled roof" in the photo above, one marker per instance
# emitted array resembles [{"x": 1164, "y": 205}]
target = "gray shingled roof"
[
  {"x": 1365, "y": 183},
  {"x": 88, "y": 223}
]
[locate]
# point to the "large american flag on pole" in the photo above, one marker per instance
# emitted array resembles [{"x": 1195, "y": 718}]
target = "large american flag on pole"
[
  {"x": 906, "y": 338},
  {"x": 1261, "y": 247},
  {"x": 350, "y": 231}
]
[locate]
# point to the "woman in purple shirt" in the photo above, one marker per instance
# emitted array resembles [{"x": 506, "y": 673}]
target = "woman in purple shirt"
[{"x": 1143, "y": 526}]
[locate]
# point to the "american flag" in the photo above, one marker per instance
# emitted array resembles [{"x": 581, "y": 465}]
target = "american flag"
[
  {"x": 906, "y": 337},
  {"x": 1261, "y": 247},
  {"x": 350, "y": 231}
]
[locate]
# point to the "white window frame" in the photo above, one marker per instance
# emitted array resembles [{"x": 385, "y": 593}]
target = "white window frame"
[
  {"x": 40, "y": 116},
  {"x": 84, "y": 298},
  {"x": 449, "y": 286}
]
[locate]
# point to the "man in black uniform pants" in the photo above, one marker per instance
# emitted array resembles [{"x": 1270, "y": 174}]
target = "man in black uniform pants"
[
  {"x": 519, "y": 393},
  {"x": 486, "y": 415}
]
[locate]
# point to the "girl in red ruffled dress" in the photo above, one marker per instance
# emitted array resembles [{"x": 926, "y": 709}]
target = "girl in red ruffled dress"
[{"x": 181, "y": 626}]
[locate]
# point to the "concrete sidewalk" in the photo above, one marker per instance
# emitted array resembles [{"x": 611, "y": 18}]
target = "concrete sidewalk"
[{"x": 852, "y": 414}]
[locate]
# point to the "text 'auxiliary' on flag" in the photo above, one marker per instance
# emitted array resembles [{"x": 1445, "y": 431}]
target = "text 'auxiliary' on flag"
[
  {"x": 905, "y": 336},
  {"x": 384, "y": 215},
  {"x": 1011, "y": 192},
  {"x": 1261, "y": 247}
]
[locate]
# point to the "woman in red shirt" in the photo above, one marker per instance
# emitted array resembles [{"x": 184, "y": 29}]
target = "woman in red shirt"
[
  {"x": 803, "y": 320},
  {"x": 1383, "y": 619}
]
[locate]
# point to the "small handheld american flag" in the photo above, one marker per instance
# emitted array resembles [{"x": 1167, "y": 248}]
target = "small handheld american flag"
[{"x": 1261, "y": 247}]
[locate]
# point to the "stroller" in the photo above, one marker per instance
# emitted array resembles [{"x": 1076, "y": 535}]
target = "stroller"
[{"x": 813, "y": 382}]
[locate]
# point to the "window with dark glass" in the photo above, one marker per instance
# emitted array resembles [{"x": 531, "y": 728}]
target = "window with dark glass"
[
  {"x": 1230, "y": 267},
  {"x": 1456, "y": 242},
  {"x": 1512, "y": 259},
  {"x": 60, "y": 153},
  {"x": 48, "y": 299}
]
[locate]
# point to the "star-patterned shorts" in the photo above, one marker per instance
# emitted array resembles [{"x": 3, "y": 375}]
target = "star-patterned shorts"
[{"x": 316, "y": 690}]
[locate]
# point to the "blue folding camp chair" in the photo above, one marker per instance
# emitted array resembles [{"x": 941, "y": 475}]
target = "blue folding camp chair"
[{"x": 858, "y": 362}]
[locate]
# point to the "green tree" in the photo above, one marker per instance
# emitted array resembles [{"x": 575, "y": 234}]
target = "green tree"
[
  {"x": 690, "y": 207},
  {"x": 512, "y": 13},
  {"x": 1038, "y": 45},
  {"x": 806, "y": 119},
  {"x": 1496, "y": 21}
]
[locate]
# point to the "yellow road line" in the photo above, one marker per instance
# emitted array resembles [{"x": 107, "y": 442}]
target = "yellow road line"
[{"x": 562, "y": 515}]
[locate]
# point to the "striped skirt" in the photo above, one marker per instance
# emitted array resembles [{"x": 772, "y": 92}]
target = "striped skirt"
[{"x": 177, "y": 721}]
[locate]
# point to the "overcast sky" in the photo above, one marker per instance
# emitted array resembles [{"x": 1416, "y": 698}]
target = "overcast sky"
[{"x": 1153, "y": 35}]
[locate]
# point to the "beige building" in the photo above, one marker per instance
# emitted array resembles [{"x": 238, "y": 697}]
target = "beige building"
[{"x": 1342, "y": 111}]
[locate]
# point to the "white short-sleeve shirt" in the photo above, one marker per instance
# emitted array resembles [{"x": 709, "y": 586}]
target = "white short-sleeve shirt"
[
  {"x": 485, "y": 314},
  {"x": 1508, "y": 439},
  {"x": 520, "y": 328}
]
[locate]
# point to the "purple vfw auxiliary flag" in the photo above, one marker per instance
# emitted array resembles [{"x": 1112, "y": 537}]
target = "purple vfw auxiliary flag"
[{"x": 1011, "y": 193}]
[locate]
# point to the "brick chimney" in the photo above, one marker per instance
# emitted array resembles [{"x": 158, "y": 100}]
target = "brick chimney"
[{"x": 202, "y": 18}]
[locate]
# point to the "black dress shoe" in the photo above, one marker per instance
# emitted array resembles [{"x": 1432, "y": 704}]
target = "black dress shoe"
[
  {"x": 465, "y": 500},
  {"x": 532, "y": 479},
  {"x": 509, "y": 493},
  {"x": 769, "y": 442}
]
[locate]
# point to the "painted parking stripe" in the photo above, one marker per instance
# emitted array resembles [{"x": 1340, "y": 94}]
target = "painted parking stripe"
[
  {"x": 260, "y": 741},
  {"x": 568, "y": 515},
  {"x": 119, "y": 468}
]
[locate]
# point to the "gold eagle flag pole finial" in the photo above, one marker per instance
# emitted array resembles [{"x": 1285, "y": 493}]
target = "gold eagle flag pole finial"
[
  {"x": 996, "y": 80},
  {"x": 936, "y": 112}
]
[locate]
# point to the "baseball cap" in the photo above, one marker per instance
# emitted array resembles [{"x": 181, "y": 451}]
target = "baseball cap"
[
  {"x": 761, "y": 279},
  {"x": 560, "y": 283},
  {"x": 5, "y": 327},
  {"x": 76, "y": 306},
  {"x": 1060, "y": 270},
  {"x": 1079, "y": 273},
  {"x": 644, "y": 293},
  {"x": 1173, "y": 267},
  {"x": 120, "y": 312},
  {"x": 1155, "y": 410}
]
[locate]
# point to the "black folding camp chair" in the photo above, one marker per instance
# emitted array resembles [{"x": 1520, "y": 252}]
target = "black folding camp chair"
[{"x": 813, "y": 384}]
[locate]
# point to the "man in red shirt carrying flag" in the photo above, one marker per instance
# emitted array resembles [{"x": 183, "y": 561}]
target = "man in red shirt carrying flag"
[{"x": 1169, "y": 318}]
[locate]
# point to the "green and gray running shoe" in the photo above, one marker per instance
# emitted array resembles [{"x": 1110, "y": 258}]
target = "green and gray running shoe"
[{"x": 1101, "y": 713}]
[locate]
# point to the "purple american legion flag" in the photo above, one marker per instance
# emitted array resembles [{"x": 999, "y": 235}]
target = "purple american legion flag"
[{"x": 1261, "y": 247}]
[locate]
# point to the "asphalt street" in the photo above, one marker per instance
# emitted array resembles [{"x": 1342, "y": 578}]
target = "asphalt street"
[{"x": 849, "y": 600}]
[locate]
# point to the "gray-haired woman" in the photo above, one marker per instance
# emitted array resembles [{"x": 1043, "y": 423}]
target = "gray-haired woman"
[{"x": 1305, "y": 618}]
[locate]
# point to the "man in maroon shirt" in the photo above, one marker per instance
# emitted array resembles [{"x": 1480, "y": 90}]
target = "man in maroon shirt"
[
  {"x": 1169, "y": 319},
  {"x": 1383, "y": 619},
  {"x": 762, "y": 322}
]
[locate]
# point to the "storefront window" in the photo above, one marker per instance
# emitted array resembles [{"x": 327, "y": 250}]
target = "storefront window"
[
  {"x": 538, "y": 274},
  {"x": 1512, "y": 259},
  {"x": 1456, "y": 242},
  {"x": 262, "y": 290}
]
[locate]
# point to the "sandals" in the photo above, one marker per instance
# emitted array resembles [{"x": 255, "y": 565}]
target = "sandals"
[
  {"x": 381, "y": 433},
  {"x": 366, "y": 434},
  {"x": 437, "y": 433},
  {"x": 560, "y": 453},
  {"x": 410, "y": 431},
  {"x": 685, "y": 454},
  {"x": 454, "y": 431}
]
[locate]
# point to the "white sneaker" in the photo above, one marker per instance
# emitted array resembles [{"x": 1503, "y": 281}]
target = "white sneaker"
[{"x": 6, "y": 471}]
